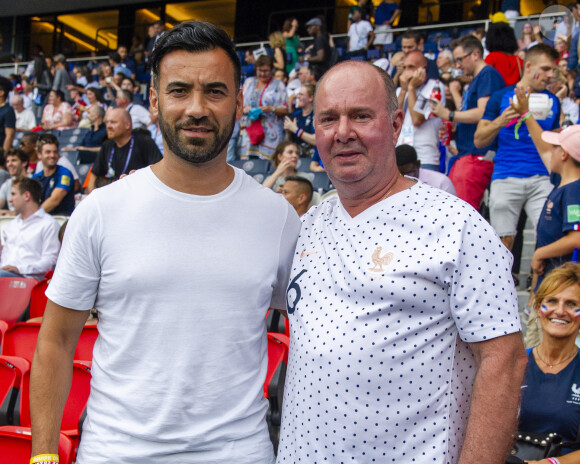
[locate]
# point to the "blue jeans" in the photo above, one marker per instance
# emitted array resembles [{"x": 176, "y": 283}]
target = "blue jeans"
[{"x": 8, "y": 274}]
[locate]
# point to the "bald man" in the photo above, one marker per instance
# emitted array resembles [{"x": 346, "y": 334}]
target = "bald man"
[
  {"x": 123, "y": 151},
  {"x": 419, "y": 129}
]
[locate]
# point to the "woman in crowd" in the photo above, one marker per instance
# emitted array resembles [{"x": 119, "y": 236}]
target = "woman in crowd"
[
  {"x": 278, "y": 45},
  {"x": 501, "y": 42},
  {"x": 290, "y": 33},
  {"x": 58, "y": 113},
  {"x": 269, "y": 96},
  {"x": 527, "y": 37},
  {"x": 285, "y": 160},
  {"x": 551, "y": 399},
  {"x": 95, "y": 98}
]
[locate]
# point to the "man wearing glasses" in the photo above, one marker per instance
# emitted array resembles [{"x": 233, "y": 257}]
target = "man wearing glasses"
[{"x": 469, "y": 172}]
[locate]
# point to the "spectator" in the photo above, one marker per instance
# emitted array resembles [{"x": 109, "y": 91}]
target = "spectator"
[
  {"x": 94, "y": 138},
  {"x": 305, "y": 76},
  {"x": 285, "y": 160},
  {"x": 57, "y": 182},
  {"x": 140, "y": 117},
  {"x": 527, "y": 37},
  {"x": 25, "y": 120},
  {"x": 16, "y": 164},
  {"x": 298, "y": 192},
  {"x": 360, "y": 34},
  {"x": 126, "y": 60},
  {"x": 367, "y": 9},
  {"x": 30, "y": 240},
  {"x": 269, "y": 96},
  {"x": 520, "y": 179},
  {"x": 137, "y": 49},
  {"x": 318, "y": 54},
  {"x": 409, "y": 165},
  {"x": 43, "y": 83},
  {"x": 412, "y": 41},
  {"x": 123, "y": 152},
  {"x": 27, "y": 93},
  {"x": 129, "y": 84},
  {"x": 118, "y": 67},
  {"x": 4, "y": 175},
  {"x": 278, "y": 45},
  {"x": 155, "y": 130},
  {"x": 549, "y": 399},
  {"x": 445, "y": 62},
  {"x": 7, "y": 115},
  {"x": 282, "y": 76},
  {"x": 290, "y": 33},
  {"x": 28, "y": 144},
  {"x": 95, "y": 99},
  {"x": 469, "y": 172},
  {"x": 58, "y": 113},
  {"x": 419, "y": 130},
  {"x": 62, "y": 77},
  {"x": 385, "y": 16},
  {"x": 502, "y": 45},
  {"x": 300, "y": 128}
]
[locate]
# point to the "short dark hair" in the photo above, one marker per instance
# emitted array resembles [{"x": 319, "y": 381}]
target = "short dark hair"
[
  {"x": 27, "y": 184},
  {"x": 412, "y": 34},
  {"x": 304, "y": 183},
  {"x": 127, "y": 78},
  {"x": 469, "y": 44},
  {"x": 500, "y": 37},
  {"x": 126, "y": 94},
  {"x": 115, "y": 57},
  {"x": 195, "y": 37},
  {"x": 32, "y": 137},
  {"x": 405, "y": 154},
  {"x": 23, "y": 157},
  {"x": 46, "y": 139},
  {"x": 6, "y": 86},
  {"x": 541, "y": 49}
]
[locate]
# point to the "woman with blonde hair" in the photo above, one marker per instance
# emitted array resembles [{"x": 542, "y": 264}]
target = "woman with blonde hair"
[{"x": 278, "y": 44}]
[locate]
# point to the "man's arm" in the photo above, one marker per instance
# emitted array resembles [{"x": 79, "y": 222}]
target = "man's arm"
[
  {"x": 9, "y": 134},
  {"x": 472, "y": 116},
  {"x": 487, "y": 130},
  {"x": 54, "y": 199},
  {"x": 51, "y": 374},
  {"x": 561, "y": 247},
  {"x": 416, "y": 82},
  {"x": 495, "y": 400}
]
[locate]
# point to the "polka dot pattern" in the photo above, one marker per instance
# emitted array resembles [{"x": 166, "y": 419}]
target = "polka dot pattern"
[{"x": 382, "y": 308}]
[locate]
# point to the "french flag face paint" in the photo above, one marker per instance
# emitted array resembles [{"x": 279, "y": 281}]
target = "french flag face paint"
[
  {"x": 545, "y": 309},
  {"x": 577, "y": 313}
]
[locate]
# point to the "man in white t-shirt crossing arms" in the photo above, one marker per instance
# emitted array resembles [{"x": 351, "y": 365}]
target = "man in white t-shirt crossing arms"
[
  {"x": 182, "y": 261},
  {"x": 406, "y": 343},
  {"x": 420, "y": 128}
]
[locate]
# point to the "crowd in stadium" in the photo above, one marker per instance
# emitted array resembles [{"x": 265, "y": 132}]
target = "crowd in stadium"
[{"x": 490, "y": 117}]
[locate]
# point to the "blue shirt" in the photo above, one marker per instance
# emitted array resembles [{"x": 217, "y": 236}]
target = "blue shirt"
[
  {"x": 306, "y": 123},
  {"x": 62, "y": 178},
  {"x": 487, "y": 81},
  {"x": 518, "y": 158},
  {"x": 384, "y": 12},
  {"x": 7, "y": 120},
  {"x": 561, "y": 213},
  {"x": 551, "y": 402}
]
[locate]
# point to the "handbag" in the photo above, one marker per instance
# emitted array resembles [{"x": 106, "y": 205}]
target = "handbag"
[
  {"x": 255, "y": 130},
  {"x": 536, "y": 446}
]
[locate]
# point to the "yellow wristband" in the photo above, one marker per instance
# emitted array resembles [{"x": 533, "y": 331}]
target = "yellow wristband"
[{"x": 44, "y": 459}]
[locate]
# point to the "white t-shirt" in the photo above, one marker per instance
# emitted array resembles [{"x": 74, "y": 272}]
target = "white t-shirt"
[
  {"x": 182, "y": 284},
  {"x": 425, "y": 138},
  {"x": 358, "y": 34},
  {"x": 25, "y": 120},
  {"x": 381, "y": 309}
]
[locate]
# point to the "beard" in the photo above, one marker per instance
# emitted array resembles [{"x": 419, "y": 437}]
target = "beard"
[{"x": 196, "y": 150}]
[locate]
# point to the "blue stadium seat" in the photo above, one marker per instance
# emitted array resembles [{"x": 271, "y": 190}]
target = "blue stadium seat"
[
  {"x": 430, "y": 47},
  {"x": 392, "y": 47},
  {"x": 253, "y": 166},
  {"x": 358, "y": 58},
  {"x": 373, "y": 54},
  {"x": 320, "y": 181},
  {"x": 444, "y": 42},
  {"x": 303, "y": 164}
]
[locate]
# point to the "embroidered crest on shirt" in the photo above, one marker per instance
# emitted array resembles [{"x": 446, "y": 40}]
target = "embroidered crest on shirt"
[
  {"x": 379, "y": 260},
  {"x": 549, "y": 206},
  {"x": 575, "y": 395}
]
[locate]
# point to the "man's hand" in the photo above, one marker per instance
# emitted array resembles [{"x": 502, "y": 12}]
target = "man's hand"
[
  {"x": 404, "y": 79},
  {"x": 418, "y": 78},
  {"x": 290, "y": 125},
  {"x": 508, "y": 115},
  {"x": 520, "y": 102},
  {"x": 438, "y": 109},
  {"x": 538, "y": 264},
  {"x": 9, "y": 268}
]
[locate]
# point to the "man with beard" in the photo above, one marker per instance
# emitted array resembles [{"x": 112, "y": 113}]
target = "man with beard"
[
  {"x": 123, "y": 152},
  {"x": 181, "y": 260}
]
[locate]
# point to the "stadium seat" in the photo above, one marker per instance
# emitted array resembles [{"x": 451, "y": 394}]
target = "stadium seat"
[
  {"x": 12, "y": 371},
  {"x": 3, "y": 328},
  {"x": 278, "y": 346},
  {"x": 373, "y": 54},
  {"x": 303, "y": 164},
  {"x": 20, "y": 340},
  {"x": 84, "y": 350},
  {"x": 358, "y": 58},
  {"x": 388, "y": 48},
  {"x": 253, "y": 166},
  {"x": 277, "y": 323},
  {"x": 15, "y": 446},
  {"x": 320, "y": 181},
  {"x": 14, "y": 297},
  {"x": 38, "y": 298},
  {"x": 444, "y": 42}
]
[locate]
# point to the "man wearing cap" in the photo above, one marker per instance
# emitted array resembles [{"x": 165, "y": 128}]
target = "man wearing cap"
[
  {"x": 319, "y": 55},
  {"x": 409, "y": 165}
]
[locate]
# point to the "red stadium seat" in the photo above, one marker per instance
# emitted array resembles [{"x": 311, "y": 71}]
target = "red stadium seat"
[
  {"x": 84, "y": 350},
  {"x": 15, "y": 446},
  {"x": 38, "y": 298},
  {"x": 278, "y": 345},
  {"x": 20, "y": 340},
  {"x": 276, "y": 322},
  {"x": 14, "y": 297},
  {"x": 3, "y": 328},
  {"x": 12, "y": 372}
]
